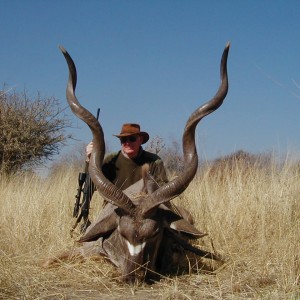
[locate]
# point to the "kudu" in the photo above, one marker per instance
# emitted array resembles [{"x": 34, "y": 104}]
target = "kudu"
[{"x": 138, "y": 234}]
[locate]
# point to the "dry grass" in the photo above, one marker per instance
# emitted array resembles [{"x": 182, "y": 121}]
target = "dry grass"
[{"x": 252, "y": 215}]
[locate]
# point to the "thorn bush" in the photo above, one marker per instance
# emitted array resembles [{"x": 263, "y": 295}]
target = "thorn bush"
[{"x": 32, "y": 130}]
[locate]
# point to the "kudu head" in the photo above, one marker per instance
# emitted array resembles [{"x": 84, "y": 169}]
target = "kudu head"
[{"x": 137, "y": 226}]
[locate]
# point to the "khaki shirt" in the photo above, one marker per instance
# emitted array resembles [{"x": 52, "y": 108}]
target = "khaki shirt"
[{"x": 124, "y": 172}]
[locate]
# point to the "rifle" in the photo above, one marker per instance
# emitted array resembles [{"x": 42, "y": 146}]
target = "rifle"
[{"x": 85, "y": 187}]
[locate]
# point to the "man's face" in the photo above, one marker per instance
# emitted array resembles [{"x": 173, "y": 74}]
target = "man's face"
[{"x": 131, "y": 145}]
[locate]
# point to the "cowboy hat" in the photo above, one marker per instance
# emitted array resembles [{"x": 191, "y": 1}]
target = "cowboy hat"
[{"x": 133, "y": 129}]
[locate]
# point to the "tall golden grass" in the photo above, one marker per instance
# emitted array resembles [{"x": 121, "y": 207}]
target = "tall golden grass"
[{"x": 251, "y": 213}]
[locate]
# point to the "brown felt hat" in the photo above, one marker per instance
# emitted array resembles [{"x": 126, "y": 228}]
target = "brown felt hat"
[{"x": 133, "y": 129}]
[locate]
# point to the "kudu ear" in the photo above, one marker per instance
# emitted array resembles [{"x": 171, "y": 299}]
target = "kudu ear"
[
  {"x": 185, "y": 227},
  {"x": 179, "y": 224},
  {"x": 101, "y": 228}
]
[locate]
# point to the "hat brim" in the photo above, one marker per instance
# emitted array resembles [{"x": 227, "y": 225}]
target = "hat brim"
[{"x": 143, "y": 134}]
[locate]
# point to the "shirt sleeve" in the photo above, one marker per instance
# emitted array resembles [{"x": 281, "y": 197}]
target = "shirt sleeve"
[{"x": 108, "y": 166}]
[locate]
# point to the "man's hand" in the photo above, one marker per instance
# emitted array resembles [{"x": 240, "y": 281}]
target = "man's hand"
[{"x": 88, "y": 150}]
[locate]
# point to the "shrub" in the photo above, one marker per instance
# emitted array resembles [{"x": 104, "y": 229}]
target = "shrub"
[{"x": 32, "y": 130}]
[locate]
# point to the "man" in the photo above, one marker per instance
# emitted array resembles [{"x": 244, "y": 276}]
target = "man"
[{"x": 124, "y": 168}]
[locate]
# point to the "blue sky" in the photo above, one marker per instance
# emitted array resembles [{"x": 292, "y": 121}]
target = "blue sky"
[{"x": 154, "y": 62}]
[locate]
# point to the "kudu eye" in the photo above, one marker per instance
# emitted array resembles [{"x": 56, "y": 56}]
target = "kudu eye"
[
  {"x": 149, "y": 229},
  {"x": 155, "y": 232}
]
